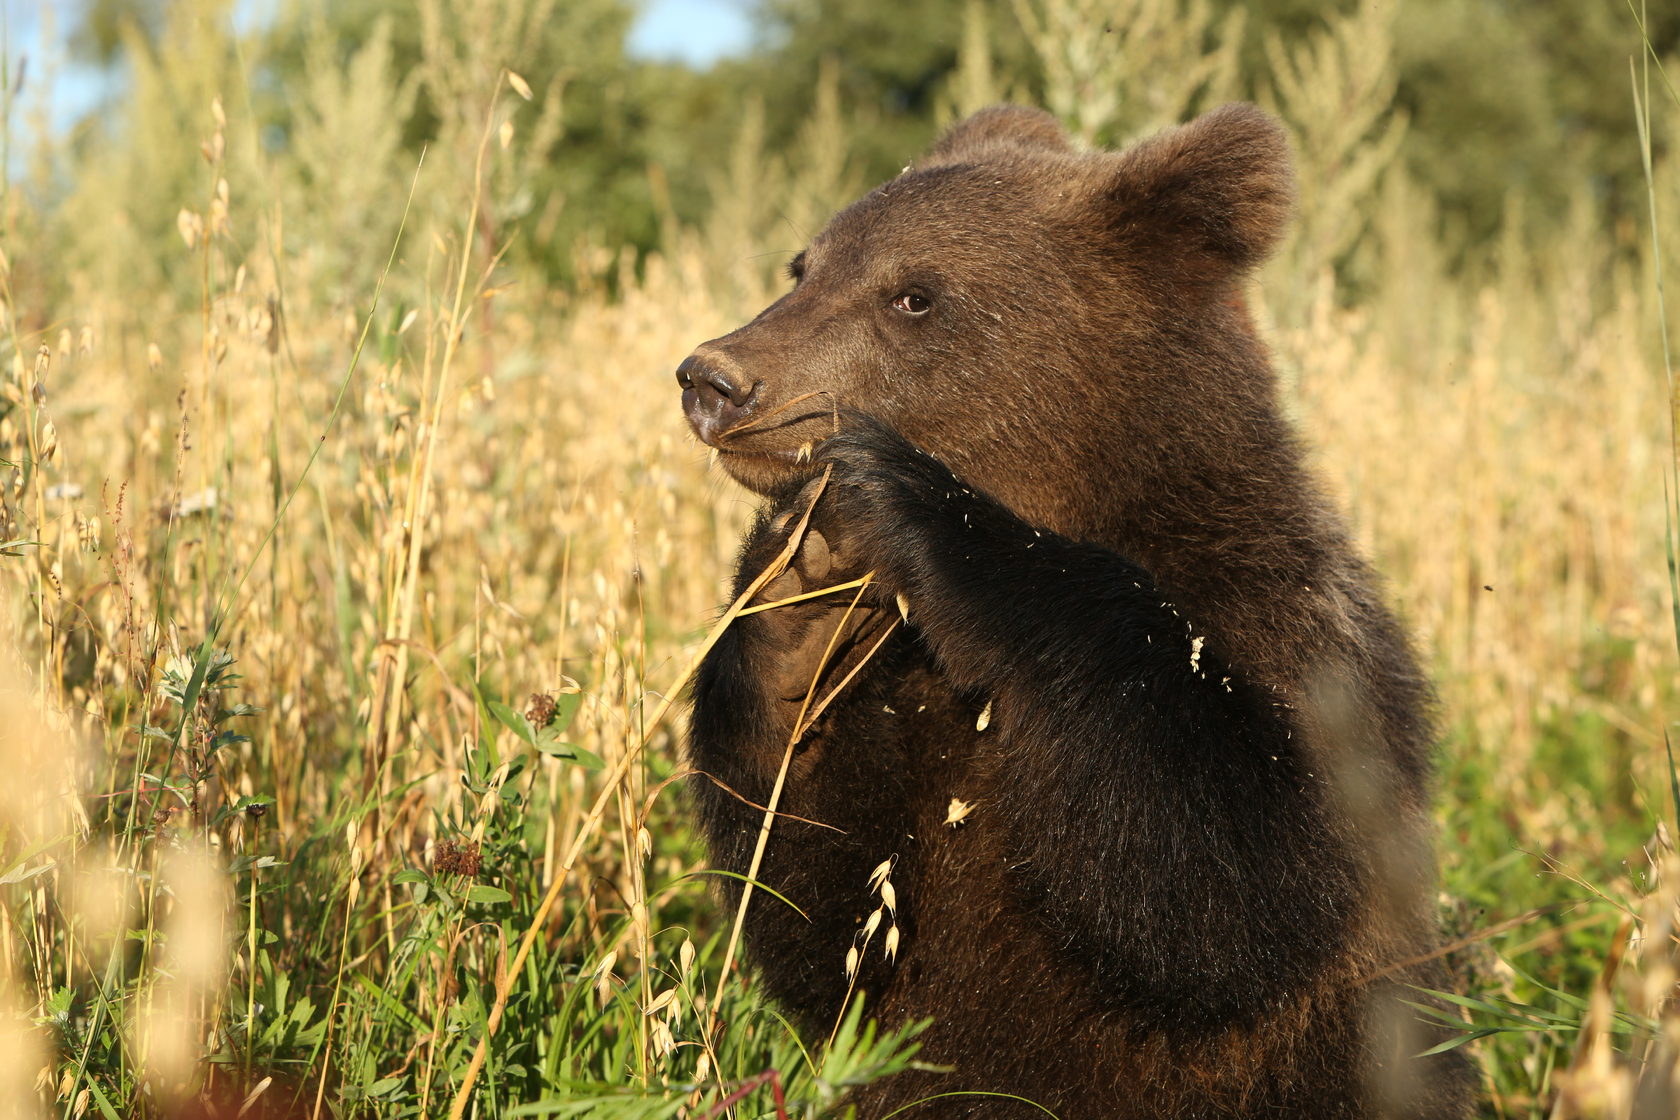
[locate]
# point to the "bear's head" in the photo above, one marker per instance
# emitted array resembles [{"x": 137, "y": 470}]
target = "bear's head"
[{"x": 1051, "y": 323}]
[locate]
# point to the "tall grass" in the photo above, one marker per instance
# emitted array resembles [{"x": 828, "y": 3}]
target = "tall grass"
[{"x": 328, "y": 622}]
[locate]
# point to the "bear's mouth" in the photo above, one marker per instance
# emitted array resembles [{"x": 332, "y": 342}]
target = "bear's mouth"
[
  {"x": 765, "y": 452},
  {"x": 762, "y": 464},
  {"x": 764, "y": 470},
  {"x": 784, "y": 457},
  {"x": 747, "y": 443}
]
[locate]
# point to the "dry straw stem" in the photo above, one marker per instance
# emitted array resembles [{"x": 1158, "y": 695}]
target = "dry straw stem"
[
  {"x": 752, "y": 422},
  {"x": 169, "y": 1025},
  {"x": 387, "y": 713},
  {"x": 1592, "y": 1045},
  {"x": 231, "y": 589},
  {"x": 817, "y": 594},
  {"x": 586, "y": 830},
  {"x": 36, "y": 814},
  {"x": 807, "y": 716},
  {"x": 353, "y": 887}
]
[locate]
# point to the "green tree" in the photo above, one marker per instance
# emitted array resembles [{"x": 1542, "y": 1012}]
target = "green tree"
[
  {"x": 589, "y": 180},
  {"x": 893, "y": 64},
  {"x": 1520, "y": 99},
  {"x": 102, "y": 29}
]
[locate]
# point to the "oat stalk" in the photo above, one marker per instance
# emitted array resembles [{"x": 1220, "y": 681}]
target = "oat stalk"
[{"x": 504, "y": 983}]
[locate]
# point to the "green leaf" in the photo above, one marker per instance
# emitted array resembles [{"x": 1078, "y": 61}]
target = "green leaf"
[
  {"x": 565, "y": 708},
  {"x": 482, "y": 892},
  {"x": 19, "y": 875},
  {"x": 100, "y": 1099},
  {"x": 755, "y": 883},
  {"x": 1530, "y": 1015},
  {"x": 971, "y": 1093},
  {"x": 385, "y": 1000},
  {"x": 595, "y": 1100},
  {"x": 571, "y": 752},
  {"x": 1469, "y": 1036},
  {"x": 512, "y": 720},
  {"x": 587, "y": 759}
]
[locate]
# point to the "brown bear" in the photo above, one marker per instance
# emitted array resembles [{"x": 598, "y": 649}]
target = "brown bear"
[{"x": 1147, "y": 751}]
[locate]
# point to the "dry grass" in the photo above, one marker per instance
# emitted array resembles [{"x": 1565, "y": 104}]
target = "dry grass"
[{"x": 506, "y": 504}]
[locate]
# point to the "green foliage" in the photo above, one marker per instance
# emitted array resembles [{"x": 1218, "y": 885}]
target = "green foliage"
[
  {"x": 347, "y": 111},
  {"x": 1501, "y": 100},
  {"x": 1153, "y": 66},
  {"x": 107, "y": 27},
  {"x": 418, "y": 75},
  {"x": 133, "y": 175},
  {"x": 1335, "y": 86}
]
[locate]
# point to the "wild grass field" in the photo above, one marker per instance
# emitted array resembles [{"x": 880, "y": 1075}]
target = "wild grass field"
[{"x": 352, "y": 571}]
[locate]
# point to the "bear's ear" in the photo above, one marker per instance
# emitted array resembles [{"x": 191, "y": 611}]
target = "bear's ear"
[
  {"x": 1220, "y": 187},
  {"x": 997, "y": 131}
]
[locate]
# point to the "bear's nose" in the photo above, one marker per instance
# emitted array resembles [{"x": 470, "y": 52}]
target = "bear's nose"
[
  {"x": 714, "y": 398},
  {"x": 704, "y": 377}
]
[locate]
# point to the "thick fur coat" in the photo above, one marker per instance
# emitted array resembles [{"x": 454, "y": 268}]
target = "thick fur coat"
[{"x": 1194, "y": 878}]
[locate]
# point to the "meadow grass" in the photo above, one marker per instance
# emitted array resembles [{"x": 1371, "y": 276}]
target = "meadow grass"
[{"x": 347, "y": 568}]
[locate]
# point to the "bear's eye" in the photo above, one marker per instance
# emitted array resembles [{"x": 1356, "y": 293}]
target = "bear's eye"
[{"x": 912, "y": 303}]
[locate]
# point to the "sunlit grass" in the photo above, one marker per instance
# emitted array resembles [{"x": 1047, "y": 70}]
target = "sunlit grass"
[{"x": 293, "y": 752}]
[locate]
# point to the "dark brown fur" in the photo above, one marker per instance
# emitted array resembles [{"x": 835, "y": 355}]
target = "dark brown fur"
[{"x": 1199, "y": 839}]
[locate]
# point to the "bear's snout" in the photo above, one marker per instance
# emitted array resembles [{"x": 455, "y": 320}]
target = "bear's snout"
[{"x": 715, "y": 398}]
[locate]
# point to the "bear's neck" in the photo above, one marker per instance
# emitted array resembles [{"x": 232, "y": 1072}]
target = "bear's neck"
[{"x": 1238, "y": 537}]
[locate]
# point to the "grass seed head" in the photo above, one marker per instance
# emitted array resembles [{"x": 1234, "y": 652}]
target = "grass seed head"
[{"x": 663, "y": 1040}]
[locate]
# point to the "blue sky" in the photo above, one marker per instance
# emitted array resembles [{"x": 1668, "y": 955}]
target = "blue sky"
[
  {"x": 694, "y": 31},
  {"x": 35, "y": 31}
]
